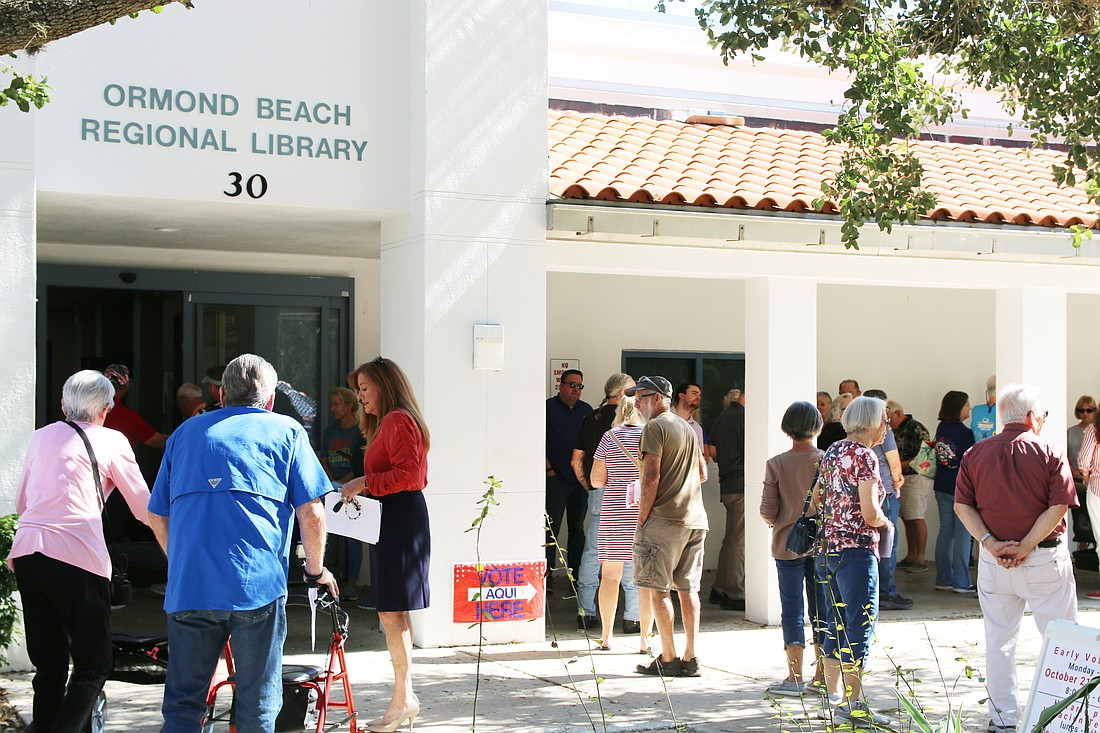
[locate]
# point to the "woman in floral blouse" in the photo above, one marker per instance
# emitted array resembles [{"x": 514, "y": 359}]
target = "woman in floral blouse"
[{"x": 848, "y": 498}]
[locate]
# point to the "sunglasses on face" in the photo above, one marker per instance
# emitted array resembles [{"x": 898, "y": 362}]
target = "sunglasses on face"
[
  {"x": 574, "y": 385},
  {"x": 1087, "y": 410}
]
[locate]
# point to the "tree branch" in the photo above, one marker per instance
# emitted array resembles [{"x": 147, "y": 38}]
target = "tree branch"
[{"x": 27, "y": 25}]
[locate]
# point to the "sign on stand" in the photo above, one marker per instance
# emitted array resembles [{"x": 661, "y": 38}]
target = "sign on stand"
[
  {"x": 559, "y": 367},
  {"x": 1069, "y": 659},
  {"x": 509, "y": 591}
]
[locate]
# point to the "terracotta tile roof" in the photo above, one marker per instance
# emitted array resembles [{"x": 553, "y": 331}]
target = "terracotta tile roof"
[{"x": 666, "y": 162}]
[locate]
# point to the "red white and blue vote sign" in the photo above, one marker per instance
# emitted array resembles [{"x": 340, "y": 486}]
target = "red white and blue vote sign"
[{"x": 501, "y": 591}]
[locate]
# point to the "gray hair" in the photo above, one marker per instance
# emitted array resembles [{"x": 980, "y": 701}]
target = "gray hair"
[
  {"x": 1016, "y": 401},
  {"x": 732, "y": 396},
  {"x": 615, "y": 384},
  {"x": 801, "y": 421},
  {"x": 991, "y": 387},
  {"x": 190, "y": 391},
  {"x": 863, "y": 414},
  {"x": 835, "y": 408},
  {"x": 627, "y": 413},
  {"x": 85, "y": 394},
  {"x": 249, "y": 381}
]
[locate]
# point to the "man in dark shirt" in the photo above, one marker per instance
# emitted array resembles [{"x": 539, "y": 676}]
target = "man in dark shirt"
[
  {"x": 727, "y": 442},
  {"x": 565, "y": 497},
  {"x": 595, "y": 424},
  {"x": 1012, "y": 493}
]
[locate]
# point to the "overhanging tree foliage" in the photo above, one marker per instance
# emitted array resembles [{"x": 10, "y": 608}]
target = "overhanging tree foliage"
[
  {"x": 905, "y": 58},
  {"x": 27, "y": 25}
]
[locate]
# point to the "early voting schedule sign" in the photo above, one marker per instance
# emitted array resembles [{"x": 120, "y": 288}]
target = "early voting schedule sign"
[
  {"x": 1070, "y": 658},
  {"x": 502, "y": 591}
]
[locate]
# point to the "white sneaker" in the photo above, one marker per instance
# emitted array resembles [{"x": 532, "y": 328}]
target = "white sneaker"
[
  {"x": 787, "y": 688},
  {"x": 860, "y": 715},
  {"x": 827, "y": 702}
]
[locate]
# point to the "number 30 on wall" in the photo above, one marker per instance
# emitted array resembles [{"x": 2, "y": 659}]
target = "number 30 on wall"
[{"x": 255, "y": 186}]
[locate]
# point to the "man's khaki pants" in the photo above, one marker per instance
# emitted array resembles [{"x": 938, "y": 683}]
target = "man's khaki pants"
[{"x": 730, "y": 576}]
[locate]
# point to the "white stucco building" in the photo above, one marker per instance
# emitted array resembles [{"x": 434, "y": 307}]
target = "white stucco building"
[{"x": 324, "y": 183}]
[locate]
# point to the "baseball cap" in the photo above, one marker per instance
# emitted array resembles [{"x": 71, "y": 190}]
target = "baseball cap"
[
  {"x": 654, "y": 384},
  {"x": 119, "y": 374},
  {"x": 214, "y": 375}
]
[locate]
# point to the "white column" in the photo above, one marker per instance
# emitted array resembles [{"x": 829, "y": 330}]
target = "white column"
[
  {"x": 472, "y": 250},
  {"x": 1031, "y": 349},
  {"x": 780, "y": 368},
  {"x": 17, "y": 295}
]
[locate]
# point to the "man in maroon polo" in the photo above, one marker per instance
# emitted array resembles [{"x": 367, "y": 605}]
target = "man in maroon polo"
[{"x": 1012, "y": 494}]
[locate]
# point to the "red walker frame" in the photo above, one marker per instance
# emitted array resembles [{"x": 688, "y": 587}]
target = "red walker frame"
[{"x": 319, "y": 680}]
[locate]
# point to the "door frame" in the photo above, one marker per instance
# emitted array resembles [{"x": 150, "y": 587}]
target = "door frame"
[{"x": 198, "y": 287}]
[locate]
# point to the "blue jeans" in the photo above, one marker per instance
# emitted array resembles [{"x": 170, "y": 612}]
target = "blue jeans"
[
  {"x": 891, "y": 506},
  {"x": 565, "y": 502},
  {"x": 952, "y": 546},
  {"x": 851, "y": 608},
  {"x": 588, "y": 576},
  {"x": 197, "y": 638},
  {"x": 355, "y": 560},
  {"x": 588, "y": 580},
  {"x": 800, "y": 592}
]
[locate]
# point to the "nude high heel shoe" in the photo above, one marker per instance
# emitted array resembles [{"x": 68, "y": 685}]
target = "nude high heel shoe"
[{"x": 408, "y": 714}]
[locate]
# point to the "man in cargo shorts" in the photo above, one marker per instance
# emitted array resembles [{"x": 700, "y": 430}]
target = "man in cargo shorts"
[{"x": 672, "y": 523}]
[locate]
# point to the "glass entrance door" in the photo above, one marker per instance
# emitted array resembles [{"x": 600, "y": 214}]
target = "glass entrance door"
[
  {"x": 171, "y": 326},
  {"x": 290, "y": 335}
]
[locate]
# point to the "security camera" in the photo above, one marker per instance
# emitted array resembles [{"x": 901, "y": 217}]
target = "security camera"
[{"x": 127, "y": 277}]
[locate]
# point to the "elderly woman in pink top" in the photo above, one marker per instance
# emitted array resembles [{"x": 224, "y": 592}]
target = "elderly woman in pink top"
[{"x": 59, "y": 555}]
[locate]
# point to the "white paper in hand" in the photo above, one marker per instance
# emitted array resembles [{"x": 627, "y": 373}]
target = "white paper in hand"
[{"x": 359, "y": 520}]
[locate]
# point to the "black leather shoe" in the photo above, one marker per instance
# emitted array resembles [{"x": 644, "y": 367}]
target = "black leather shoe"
[
  {"x": 716, "y": 596},
  {"x": 895, "y": 603},
  {"x": 586, "y": 623},
  {"x": 632, "y": 627},
  {"x": 733, "y": 604}
]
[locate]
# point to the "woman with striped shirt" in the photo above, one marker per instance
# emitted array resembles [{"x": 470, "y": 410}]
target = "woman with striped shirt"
[{"x": 614, "y": 467}]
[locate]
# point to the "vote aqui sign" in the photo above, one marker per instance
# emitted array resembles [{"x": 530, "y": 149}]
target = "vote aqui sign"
[{"x": 509, "y": 591}]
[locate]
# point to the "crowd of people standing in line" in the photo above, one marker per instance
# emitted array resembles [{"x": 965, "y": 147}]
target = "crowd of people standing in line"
[
  {"x": 235, "y": 479},
  {"x": 861, "y": 464}
]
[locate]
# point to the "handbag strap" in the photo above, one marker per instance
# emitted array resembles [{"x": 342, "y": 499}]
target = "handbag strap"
[
  {"x": 623, "y": 449},
  {"x": 91, "y": 455},
  {"x": 810, "y": 492}
]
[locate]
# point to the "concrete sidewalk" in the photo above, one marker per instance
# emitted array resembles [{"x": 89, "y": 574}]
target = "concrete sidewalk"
[{"x": 553, "y": 687}]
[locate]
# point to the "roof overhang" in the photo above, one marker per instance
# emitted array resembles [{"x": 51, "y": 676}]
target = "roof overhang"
[{"x": 649, "y": 240}]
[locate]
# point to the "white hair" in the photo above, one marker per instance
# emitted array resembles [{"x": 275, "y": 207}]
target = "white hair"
[
  {"x": 85, "y": 394},
  {"x": 863, "y": 414},
  {"x": 1017, "y": 401},
  {"x": 249, "y": 381},
  {"x": 190, "y": 391},
  {"x": 991, "y": 387}
]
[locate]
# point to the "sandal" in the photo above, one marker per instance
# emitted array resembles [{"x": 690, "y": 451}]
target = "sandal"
[
  {"x": 603, "y": 646},
  {"x": 648, "y": 651},
  {"x": 657, "y": 668},
  {"x": 689, "y": 667}
]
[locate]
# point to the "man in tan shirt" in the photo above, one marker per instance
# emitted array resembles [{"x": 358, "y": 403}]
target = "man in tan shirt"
[{"x": 672, "y": 524}]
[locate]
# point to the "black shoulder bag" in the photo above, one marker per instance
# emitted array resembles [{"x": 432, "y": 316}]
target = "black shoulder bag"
[
  {"x": 121, "y": 590},
  {"x": 803, "y": 533}
]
